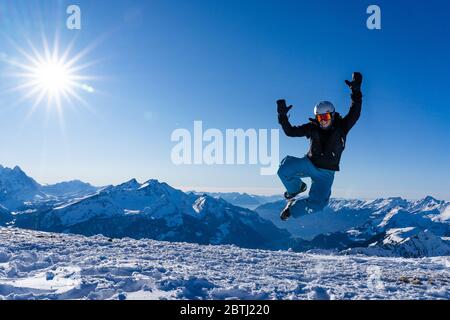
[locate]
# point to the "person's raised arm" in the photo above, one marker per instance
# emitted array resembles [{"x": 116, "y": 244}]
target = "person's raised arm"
[
  {"x": 289, "y": 130},
  {"x": 355, "y": 108}
]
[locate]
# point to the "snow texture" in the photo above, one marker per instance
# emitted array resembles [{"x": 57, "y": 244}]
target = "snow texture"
[{"x": 39, "y": 265}]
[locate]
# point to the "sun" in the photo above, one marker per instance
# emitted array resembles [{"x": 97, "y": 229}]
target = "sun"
[{"x": 51, "y": 76}]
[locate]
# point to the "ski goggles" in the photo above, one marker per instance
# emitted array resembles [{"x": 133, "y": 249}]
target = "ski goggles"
[{"x": 324, "y": 116}]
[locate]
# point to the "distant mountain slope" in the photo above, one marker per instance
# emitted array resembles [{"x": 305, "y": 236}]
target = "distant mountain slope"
[
  {"x": 388, "y": 226},
  {"x": 245, "y": 200},
  {"x": 157, "y": 211},
  {"x": 19, "y": 192},
  {"x": 72, "y": 188},
  {"x": 5, "y": 216},
  {"x": 16, "y": 188}
]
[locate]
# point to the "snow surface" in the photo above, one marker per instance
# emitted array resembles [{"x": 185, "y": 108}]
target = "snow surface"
[{"x": 39, "y": 265}]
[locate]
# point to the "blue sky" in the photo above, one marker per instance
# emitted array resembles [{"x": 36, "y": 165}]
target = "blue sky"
[{"x": 160, "y": 65}]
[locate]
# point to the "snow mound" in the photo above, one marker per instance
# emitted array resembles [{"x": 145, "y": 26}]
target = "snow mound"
[{"x": 39, "y": 265}]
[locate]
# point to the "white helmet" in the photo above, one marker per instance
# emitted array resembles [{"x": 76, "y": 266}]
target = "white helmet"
[{"x": 323, "y": 107}]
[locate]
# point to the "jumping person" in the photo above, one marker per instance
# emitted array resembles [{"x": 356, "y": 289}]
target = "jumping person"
[{"x": 327, "y": 133}]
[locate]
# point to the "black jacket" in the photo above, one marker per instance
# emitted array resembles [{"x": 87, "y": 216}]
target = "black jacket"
[{"x": 326, "y": 154}]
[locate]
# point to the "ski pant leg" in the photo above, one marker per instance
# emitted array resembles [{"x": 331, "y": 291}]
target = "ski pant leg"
[
  {"x": 319, "y": 193},
  {"x": 291, "y": 171}
]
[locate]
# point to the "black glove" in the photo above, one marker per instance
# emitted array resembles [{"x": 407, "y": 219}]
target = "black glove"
[
  {"x": 282, "y": 108},
  {"x": 355, "y": 84}
]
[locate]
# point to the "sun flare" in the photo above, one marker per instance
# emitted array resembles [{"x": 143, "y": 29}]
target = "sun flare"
[{"x": 51, "y": 76}]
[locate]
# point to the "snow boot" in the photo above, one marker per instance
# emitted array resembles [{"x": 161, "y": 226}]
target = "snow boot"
[
  {"x": 289, "y": 196},
  {"x": 285, "y": 214}
]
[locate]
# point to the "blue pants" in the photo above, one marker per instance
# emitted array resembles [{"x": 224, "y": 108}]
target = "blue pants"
[{"x": 291, "y": 171}]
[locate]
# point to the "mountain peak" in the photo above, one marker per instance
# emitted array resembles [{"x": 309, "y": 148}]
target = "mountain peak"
[
  {"x": 209, "y": 200},
  {"x": 428, "y": 203},
  {"x": 130, "y": 184},
  {"x": 17, "y": 176},
  {"x": 430, "y": 199},
  {"x": 18, "y": 169},
  {"x": 152, "y": 182}
]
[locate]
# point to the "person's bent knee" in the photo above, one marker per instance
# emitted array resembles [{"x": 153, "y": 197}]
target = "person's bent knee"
[{"x": 281, "y": 172}]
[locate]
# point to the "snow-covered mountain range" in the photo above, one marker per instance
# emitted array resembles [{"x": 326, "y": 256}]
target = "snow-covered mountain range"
[
  {"x": 245, "y": 200},
  {"x": 19, "y": 191},
  {"x": 155, "y": 210},
  {"x": 392, "y": 226}
]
